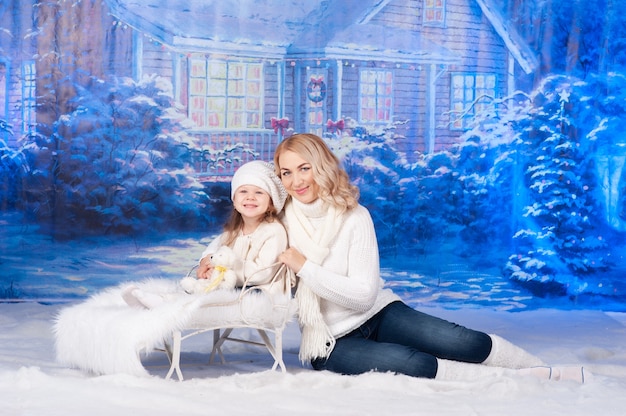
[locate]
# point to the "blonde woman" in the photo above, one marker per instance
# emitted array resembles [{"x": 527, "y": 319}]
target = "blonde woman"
[{"x": 350, "y": 323}]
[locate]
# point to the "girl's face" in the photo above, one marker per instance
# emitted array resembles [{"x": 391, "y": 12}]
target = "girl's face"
[
  {"x": 297, "y": 177},
  {"x": 251, "y": 202}
]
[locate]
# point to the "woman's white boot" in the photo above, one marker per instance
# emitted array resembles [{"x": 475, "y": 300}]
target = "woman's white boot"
[{"x": 507, "y": 355}]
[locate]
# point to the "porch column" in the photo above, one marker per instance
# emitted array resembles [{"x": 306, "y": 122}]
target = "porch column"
[
  {"x": 280, "y": 66},
  {"x": 338, "y": 93},
  {"x": 137, "y": 40},
  {"x": 430, "y": 109},
  {"x": 298, "y": 125}
]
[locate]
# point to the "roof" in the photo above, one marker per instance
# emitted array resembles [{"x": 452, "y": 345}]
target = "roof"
[
  {"x": 280, "y": 29},
  {"x": 277, "y": 29}
]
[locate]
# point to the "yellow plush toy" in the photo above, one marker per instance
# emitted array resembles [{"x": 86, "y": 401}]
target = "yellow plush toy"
[{"x": 222, "y": 277}]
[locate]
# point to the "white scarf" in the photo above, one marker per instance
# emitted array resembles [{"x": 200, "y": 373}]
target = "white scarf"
[{"x": 317, "y": 340}]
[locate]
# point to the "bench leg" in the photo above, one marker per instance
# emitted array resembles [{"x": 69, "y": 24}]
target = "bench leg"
[
  {"x": 276, "y": 349},
  {"x": 175, "y": 354}
]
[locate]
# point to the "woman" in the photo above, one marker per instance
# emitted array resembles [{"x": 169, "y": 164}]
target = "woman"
[{"x": 350, "y": 323}]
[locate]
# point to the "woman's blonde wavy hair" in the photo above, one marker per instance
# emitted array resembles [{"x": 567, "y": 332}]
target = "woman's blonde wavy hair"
[{"x": 333, "y": 181}]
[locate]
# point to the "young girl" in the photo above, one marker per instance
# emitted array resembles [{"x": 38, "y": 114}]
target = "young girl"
[
  {"x": 253, "y": 232},
  {"x": 350, "y": 323}
]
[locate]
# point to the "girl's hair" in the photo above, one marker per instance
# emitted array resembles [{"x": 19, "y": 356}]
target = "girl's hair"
[
  {"x": 232, "y": 227},
  {"x": 333, "y": 181}
]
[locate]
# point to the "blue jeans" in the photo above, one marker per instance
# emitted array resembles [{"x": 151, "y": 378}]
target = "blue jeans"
[{"x": 400, "y": 339}]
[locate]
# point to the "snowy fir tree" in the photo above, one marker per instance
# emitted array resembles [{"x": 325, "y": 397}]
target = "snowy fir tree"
[{"x": 563, "y": 241}]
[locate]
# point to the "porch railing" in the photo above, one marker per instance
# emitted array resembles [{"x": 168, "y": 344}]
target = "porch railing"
[{"x": 225, "y": 151}]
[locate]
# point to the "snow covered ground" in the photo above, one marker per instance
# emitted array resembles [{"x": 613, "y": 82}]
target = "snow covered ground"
[{"x": 32, "y": 383}]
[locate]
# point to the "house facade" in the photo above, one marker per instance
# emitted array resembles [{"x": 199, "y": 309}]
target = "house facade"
[{"x": 253, "y": 72}]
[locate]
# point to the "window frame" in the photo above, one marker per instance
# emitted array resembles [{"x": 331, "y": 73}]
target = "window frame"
[
  {"x": 465, "y": 104},
  {"x": 431, "y": 9},
  {"x": 29, "y": 97},
  {"x": 226, "y": 94},
  {"x": 375, "y": 97}
]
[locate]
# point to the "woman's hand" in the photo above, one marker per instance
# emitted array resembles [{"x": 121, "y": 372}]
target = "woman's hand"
[
  {"x": 205, "y": 268},
  {"x": 293, "y": 259}
]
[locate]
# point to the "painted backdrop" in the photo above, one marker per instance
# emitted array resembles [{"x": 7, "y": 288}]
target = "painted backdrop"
[{"x": 484, "y": 136}]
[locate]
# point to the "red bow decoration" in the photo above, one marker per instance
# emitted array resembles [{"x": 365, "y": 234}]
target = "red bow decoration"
[
  {"x": 317, "y": 81},
  {"x": 333, "y": 127},
  {"x": 280, "y": 124}
]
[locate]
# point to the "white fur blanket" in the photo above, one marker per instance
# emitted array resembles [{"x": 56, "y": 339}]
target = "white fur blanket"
[{"x": 104, "y": 335}]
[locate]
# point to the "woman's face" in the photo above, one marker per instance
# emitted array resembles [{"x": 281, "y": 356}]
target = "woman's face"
[{"x": 297, "y": 177}]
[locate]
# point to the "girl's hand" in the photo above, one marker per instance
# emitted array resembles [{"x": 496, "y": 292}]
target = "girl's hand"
[
  {"x": 293, "y": 259},
  {"x": 205, "y": 268}
]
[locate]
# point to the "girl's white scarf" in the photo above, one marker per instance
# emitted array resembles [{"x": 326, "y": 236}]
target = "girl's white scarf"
[{"x": 317, "y": 340}]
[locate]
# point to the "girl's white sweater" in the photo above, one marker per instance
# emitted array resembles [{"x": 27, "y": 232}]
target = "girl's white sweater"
[{"x": 258, "y": 252}]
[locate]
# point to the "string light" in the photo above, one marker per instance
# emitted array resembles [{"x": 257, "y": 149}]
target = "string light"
[{"x": 307, "y": 63}]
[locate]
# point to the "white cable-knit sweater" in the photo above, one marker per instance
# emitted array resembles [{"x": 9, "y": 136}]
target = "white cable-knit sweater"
[
  {"x": 257, "y": 251},
  {"x": 348, "y": 280}
]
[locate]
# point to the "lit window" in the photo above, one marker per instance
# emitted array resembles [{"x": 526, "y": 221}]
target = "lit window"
[
  {"x": 225, "y": 94},
  {"x": 434, "y": 12},
  {"x": 471, "y": 93},
  {"x": 375, "y": 96},
  {"x": 29, "y": 99}
]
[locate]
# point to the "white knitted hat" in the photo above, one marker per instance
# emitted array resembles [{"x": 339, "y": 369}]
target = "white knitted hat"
[{"x": 261, "y": 174}]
